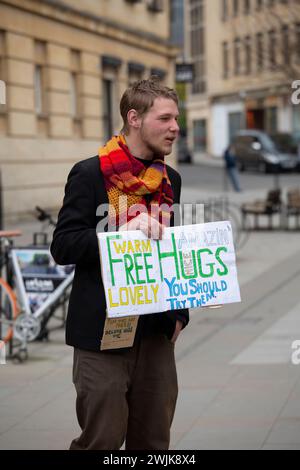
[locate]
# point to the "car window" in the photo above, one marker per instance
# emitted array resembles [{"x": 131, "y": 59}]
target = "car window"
[
  {"x": 244, "y": 140},
  {"x": 285, "y": 143}
]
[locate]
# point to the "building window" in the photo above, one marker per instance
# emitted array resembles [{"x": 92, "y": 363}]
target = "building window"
[
  {"x": 248, "y": 55},
  {"x": 197, "y": 41},
  {"x": 74, "y": 96},
  {"x": 271, "y": 120},
  {"x": 38, "y": 90},
  {"x": 2, "y": 55},
  {"x": 135, "y": 72},
  {"x": 155, "y": 6},
  {"x": 177, "y": 22},
  {"x": 40, "y": 79},
  {"x": 199, "y": 135},
  {"x": 235, "y": 7},
  {"x": 197, "y": 37},
  {"x": 272, "y": 49},
  {"x": 110, "y": 67},
  {"x": 2, "y": 77},
  {"x": 199, "y": 81},
  {"x": 259, "y": 51},
  {"x": 246, "y": 7},
  {"x": 107, "y": 103},
  {"x": 296, "y": 120},
  {"x": 297, "y": 42},
  {"x": 259, "y": 4},
  {"x": 224, "y": 10},
  {"x": 285, "y": 44},
  {"x": 75, "y": 93},
  {"x": 3, "y": 118},
  {"x": 160, "y": 73},
  {"x": 237, "y": 56},
  {"x": 74, "y": 76},
  {"x": 235, "y": 123},
  {"x": 225, "y": 48}
]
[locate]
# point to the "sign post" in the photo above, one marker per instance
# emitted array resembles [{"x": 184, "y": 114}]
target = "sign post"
[{"x": 184, "y": 73}]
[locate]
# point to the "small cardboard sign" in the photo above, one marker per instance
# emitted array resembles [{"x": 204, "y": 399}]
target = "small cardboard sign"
[{"x": 119, "y": 332}]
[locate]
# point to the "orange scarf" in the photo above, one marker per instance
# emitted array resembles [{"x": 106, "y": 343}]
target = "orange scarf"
[{"x": 126, "y": 176}]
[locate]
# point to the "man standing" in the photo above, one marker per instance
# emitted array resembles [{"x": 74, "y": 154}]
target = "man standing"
[{"x": 125, "y": 394}]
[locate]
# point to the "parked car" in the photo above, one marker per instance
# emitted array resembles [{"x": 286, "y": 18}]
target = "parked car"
[
  {"x": 258, "y": 150},
  {"x": 183, "y": 153}
]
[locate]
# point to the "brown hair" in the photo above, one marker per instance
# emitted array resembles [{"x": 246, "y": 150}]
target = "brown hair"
[{"x": 141, "y": 95}]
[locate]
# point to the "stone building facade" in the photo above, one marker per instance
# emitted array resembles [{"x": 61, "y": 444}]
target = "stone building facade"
[
  {"x": 65, "y": 65},
  {"x": 246, "y": 56}
]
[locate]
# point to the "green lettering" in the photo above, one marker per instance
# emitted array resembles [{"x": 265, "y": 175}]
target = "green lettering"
[
  {"x": 138, "y": 268},
  {"x": 211, "y": 265},
  {"x": 148, "y": 266},
  {"x": 225, "y": 270},
  {"x": 129, "y": 265},
  {"x": 168, "y": 254},
  {"x": 111, "y": 259}
]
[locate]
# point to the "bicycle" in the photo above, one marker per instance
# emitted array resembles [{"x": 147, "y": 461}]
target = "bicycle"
[
  {"x": 32, "y": 290},
  {"x": 8, "y": 301}
]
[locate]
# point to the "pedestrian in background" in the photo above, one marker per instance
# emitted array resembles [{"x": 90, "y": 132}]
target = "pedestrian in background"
[{"x": 231, "y": 168}]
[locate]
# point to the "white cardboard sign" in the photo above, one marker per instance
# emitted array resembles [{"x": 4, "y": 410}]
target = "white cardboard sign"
[{"x": 192, "y": 266}]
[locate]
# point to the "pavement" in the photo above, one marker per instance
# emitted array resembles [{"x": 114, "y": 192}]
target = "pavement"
[
  {"x": 207, "y": 159},
  {"x": 238, "y": 387}
]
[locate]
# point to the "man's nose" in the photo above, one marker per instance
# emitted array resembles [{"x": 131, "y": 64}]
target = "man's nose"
[{"x": 174, "y": 126}]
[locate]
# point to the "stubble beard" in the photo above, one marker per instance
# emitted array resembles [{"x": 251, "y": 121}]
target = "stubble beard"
[{"x": 154, "y": 149}]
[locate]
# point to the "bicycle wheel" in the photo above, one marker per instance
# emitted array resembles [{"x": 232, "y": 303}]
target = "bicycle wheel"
[{"x": 8, "y": 311}]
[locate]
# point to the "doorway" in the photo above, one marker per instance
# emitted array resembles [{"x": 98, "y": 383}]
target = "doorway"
[{"x": 255, "y": 118}]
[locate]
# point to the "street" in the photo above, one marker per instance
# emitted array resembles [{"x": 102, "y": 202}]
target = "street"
[
  {"x": 238, "y": 386},
  {"x": 212, "y": 178}
]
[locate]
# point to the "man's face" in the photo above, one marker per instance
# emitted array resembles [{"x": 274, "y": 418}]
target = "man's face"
[{"x": 159, "y": 127}]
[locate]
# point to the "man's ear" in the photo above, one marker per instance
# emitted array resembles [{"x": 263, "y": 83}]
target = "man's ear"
[{"x": 133, "y": 119}]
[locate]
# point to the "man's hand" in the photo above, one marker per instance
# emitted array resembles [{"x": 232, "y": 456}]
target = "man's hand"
[
  {"x": 177, "y": 331},
  {"x": 147, "y": 224}
]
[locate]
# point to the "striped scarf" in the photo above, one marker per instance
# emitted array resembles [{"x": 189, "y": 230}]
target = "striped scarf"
[{"x": 128, "y": 182}]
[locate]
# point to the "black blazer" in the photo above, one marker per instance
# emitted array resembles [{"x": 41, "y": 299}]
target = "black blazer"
[{"x": 75, "y": 242}]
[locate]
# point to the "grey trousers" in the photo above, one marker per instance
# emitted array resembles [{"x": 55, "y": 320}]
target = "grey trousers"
[{"x": 126, "y": 397}]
